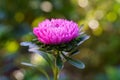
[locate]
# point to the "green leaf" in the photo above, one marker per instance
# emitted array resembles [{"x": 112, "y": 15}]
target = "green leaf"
[
  {"x": 82, "y": 39},
  {"x": 28, "y": 64},
  {"x": 59, "y": 62},
  {"x": 76, "y": 63},
  {"x": 46, "y": 57},
  {"x": 74, "y": 51},
  {"x": 40, "y": 69},
  {"x": 44, "y": 72},
  {"x": 35, "y": 49}
]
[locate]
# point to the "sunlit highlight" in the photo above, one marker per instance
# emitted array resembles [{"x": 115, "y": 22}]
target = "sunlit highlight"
[
  {"x": 37, "y": 20},
  {"x": 83, "y": 3},
  {"x": 46, "y": 6},
  {"x": 93, "y": 24},
  {"x": 12, "y": 46},
  {"x": 37, "y": 59},
  {"x": 118, "y": 1},
  {"x": 18, "y": 74},
  {"x": 111, "y": 16}
]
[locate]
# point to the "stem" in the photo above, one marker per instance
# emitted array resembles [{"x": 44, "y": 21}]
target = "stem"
[
  {"x": 56, "y": 72},
  {"x": 56, "y": 69}
]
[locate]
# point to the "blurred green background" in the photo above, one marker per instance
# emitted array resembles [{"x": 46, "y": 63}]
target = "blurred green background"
[{"x": 101, "y": 53}]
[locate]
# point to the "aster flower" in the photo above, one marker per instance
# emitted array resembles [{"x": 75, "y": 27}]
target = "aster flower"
[
  {"x": 56, "y": 31},
  {"x": 59, "y": 38}
]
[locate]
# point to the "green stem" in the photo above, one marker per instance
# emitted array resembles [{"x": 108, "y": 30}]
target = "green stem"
[
  {"x": 56, "y": 73},
  {"x": 56, "y": 69}
]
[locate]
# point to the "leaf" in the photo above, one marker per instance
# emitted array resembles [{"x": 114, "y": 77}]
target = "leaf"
[
  {"x": 76, "y": 63},
  {"x": 81, "y": 27},
  {"x": 44, "y": 72},
  {"x": 25, "y": 43},
  {"x": 73, "y": 52},
  {"x": 59, "y": 62},
  {"x": 28, "y": 64},
  {"x": 35, "y": 49},
  {"x": 46, "y": 57},
  {"x": 82, "y": 39},
  {"x": 40, "y": 69}
]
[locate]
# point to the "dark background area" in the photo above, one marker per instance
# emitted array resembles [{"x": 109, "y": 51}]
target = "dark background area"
[{"x": 101, "y": 53}]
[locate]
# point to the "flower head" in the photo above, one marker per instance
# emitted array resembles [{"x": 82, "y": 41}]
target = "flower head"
[{"x": 56, "y": 31}]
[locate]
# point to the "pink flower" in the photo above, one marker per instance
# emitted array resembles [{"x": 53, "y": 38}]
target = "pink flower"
[{"x": 56, "y": 31}]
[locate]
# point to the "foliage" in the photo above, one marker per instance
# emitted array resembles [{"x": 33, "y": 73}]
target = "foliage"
[{"x": 100, "y": 53}]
